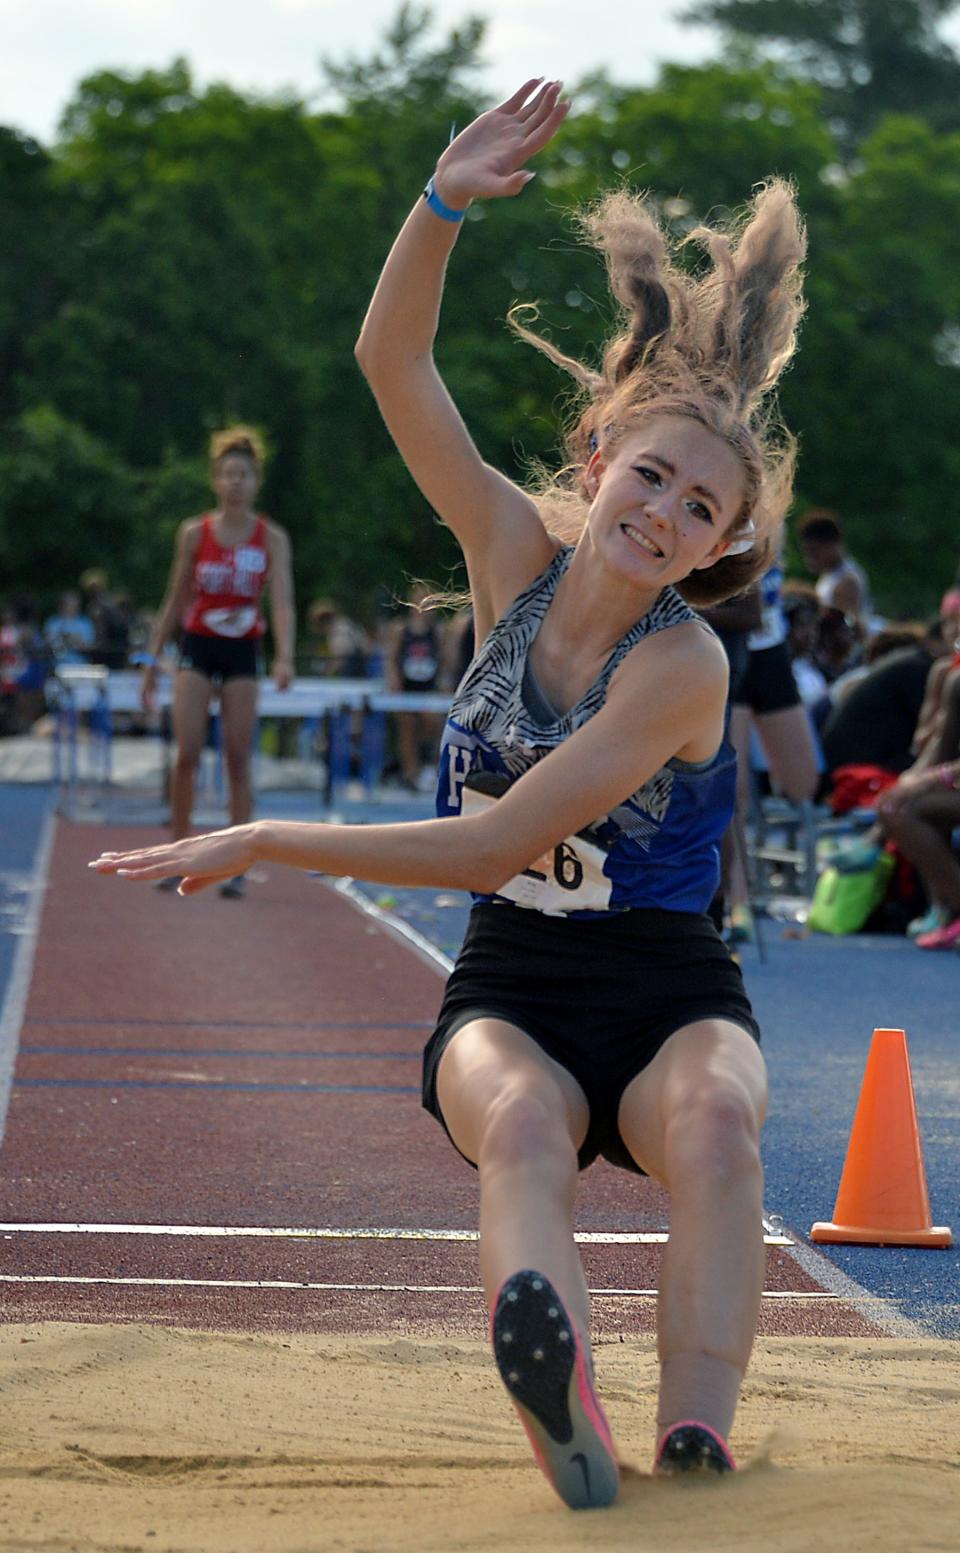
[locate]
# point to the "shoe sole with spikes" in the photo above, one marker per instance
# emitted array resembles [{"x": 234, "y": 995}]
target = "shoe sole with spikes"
[
  {"x": 545, "y": 1370},
  {"x": 695, "y": 1448}
]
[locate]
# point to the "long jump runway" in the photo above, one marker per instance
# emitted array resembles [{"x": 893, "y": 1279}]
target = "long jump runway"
[{"x": 214, "y": 1121}]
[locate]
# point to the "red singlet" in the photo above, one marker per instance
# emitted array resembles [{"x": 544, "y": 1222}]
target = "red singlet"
[{"x": 227, "y": 583}]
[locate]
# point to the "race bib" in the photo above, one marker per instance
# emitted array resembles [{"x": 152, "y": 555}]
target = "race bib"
[
  {"x": 230, "y": 622},
  {"x": 568, "y": 878}
]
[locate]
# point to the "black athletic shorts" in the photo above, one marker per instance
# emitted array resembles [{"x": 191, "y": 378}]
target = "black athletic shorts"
[
  {"x": 599, "y": 996},
  {"x": 219, "y": 657},
  {"x": 734, "y": 644},
  {"x": 768, "y": 684}
]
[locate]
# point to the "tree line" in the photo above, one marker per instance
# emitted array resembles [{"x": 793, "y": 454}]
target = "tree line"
[{"x": 182, "y": 258}]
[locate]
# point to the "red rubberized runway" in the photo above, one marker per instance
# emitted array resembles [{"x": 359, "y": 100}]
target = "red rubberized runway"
[{"x": 215, "y": 1122}]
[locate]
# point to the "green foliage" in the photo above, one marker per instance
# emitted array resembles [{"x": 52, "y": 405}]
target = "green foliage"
[
  {"x": 871, "y": 57},
  {"x": 65, "y": 502},
  {"x": 185, "y": 258}
]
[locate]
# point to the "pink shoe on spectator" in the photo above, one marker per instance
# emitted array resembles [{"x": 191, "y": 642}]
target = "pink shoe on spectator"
[{"x": 941, "y": 937}]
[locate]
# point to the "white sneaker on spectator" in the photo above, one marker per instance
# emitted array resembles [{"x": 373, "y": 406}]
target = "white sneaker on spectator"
[{"x": 933, "y": 917}]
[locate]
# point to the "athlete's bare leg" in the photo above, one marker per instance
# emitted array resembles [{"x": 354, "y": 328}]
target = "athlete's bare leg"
[
  {"x": 238, "y": 715},
  {"x": 520, "y": 1118},
  {"x": 191, "y": 706},
  {"x": 692, "y": 1120}
]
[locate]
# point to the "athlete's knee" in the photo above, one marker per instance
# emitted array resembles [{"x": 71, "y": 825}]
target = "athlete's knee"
[
  {"x": 715, "y": 1129},
  {"x": 187, "y": 761},
  {"x": 523, "y": 1126}
]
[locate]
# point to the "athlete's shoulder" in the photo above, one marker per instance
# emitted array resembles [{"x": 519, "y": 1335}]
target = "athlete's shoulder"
[
  {"x": 274, "y": 534},
  {"x": 191, "y": 531},
  {"x": 687, "y": 656}
]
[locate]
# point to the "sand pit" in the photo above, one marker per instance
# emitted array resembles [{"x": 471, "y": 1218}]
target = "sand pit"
[{"x": 135, "y": 1437}]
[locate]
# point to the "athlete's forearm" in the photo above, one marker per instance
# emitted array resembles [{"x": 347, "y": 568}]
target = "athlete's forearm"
[
  {"x": 282, "y": 629},
  {"x": 404, "y": 311},
  {"x": 446, "y": 854},
  {"x": 165, "y": 624}
]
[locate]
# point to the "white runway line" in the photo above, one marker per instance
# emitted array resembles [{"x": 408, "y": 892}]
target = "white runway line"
[
  {"x": 393, "y": 924},
  {"x": 280, "y": 1232}
]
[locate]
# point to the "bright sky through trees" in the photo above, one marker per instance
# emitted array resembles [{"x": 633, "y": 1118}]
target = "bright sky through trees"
[{"x": 267, "y": 45}]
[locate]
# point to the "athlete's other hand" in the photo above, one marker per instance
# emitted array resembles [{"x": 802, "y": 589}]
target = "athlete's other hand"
[
  {"x": 282, "y": 673},
  {"x": 485, "y": 161},
  {"x": 199, "y": 860},
  {"x": 148, "y": 688}
]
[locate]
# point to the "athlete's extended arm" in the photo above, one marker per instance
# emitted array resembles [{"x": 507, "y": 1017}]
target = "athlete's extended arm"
[
  {"x": 496, "y": 524},
  {"x": 668, "y": 703}
]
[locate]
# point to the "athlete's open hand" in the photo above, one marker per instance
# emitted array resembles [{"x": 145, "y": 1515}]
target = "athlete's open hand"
[
  {"x": 486, "y": 160},
  {"x": 199, "y": 860}
]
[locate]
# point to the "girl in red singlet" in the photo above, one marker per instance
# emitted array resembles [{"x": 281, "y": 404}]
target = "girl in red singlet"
[{"x": 222, "y": 562}]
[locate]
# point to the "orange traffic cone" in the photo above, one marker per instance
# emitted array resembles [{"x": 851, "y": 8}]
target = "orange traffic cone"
[{"x": 882, "y": 1198}]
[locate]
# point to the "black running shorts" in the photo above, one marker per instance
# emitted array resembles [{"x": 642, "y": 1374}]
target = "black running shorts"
[
  {"x": 599, "y": 996},
  {"x": 767, "y": 685},
  {"x": 219, "y": 658}
]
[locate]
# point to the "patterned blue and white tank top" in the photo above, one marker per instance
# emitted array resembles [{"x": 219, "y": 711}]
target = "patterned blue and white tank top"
[{"x": 658, "y": 848}]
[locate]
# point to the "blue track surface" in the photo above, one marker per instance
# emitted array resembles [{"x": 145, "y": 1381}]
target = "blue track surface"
[
  {"x": 818, "y": 1001},
  {"x": 22, "y": 813}
]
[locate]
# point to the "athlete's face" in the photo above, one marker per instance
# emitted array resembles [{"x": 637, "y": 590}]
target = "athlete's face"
[
  {"x": 235, "y": 480},
  {"x": 664, "y": 503}
]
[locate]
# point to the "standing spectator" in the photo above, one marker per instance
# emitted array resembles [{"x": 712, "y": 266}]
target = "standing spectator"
[
  {"x": 767, "y": 702},
  {"x": 841, "y": 582},
  {"x": 414, "y": 657},
  {"x": 111, "y": 620},
  {"x": 70, "y": 634},
  {"x": 222, "y": 562}
]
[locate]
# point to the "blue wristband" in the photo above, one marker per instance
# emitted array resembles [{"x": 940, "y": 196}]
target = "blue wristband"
[{"x": 438, "y": 207}]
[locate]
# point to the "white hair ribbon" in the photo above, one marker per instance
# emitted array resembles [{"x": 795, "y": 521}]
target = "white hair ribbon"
[{"x": 744, "y": 539}]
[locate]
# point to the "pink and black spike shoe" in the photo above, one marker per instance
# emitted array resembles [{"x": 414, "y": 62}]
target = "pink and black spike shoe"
[
  {"x": 692, "y": 1447},
  {"x": 544, "y": 1368}
]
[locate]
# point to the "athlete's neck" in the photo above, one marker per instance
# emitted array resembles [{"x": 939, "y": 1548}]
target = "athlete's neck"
[{"x": 234, "y": 523}]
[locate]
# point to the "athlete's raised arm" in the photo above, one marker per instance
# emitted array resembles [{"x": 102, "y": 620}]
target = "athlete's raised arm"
[{"x": 503, "y": 540}]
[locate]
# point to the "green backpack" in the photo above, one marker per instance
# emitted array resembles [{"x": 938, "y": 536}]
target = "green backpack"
[{"x": 843, "y": 902}]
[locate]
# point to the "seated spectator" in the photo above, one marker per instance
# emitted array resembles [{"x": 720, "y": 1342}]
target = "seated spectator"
[
  {"x": 839, "y": 644},
  {"x": 802, "y": 610},
  {"x": 875, "y": 721},
  {"x": 70, "y": 633},
  {"x": 920, "y": 814},
  {"x": 841, "y": 583},
  {"x": 889, "y": 639},
  {"x": 24, "y": 665},
  {"x": 337, "y": 647}
]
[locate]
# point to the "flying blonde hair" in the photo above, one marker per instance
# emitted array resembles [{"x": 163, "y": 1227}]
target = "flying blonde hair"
[{"x": 710, "y": 346}]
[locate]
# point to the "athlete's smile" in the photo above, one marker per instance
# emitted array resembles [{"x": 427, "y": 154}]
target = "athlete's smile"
[{"x": 641, "y": 540}]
